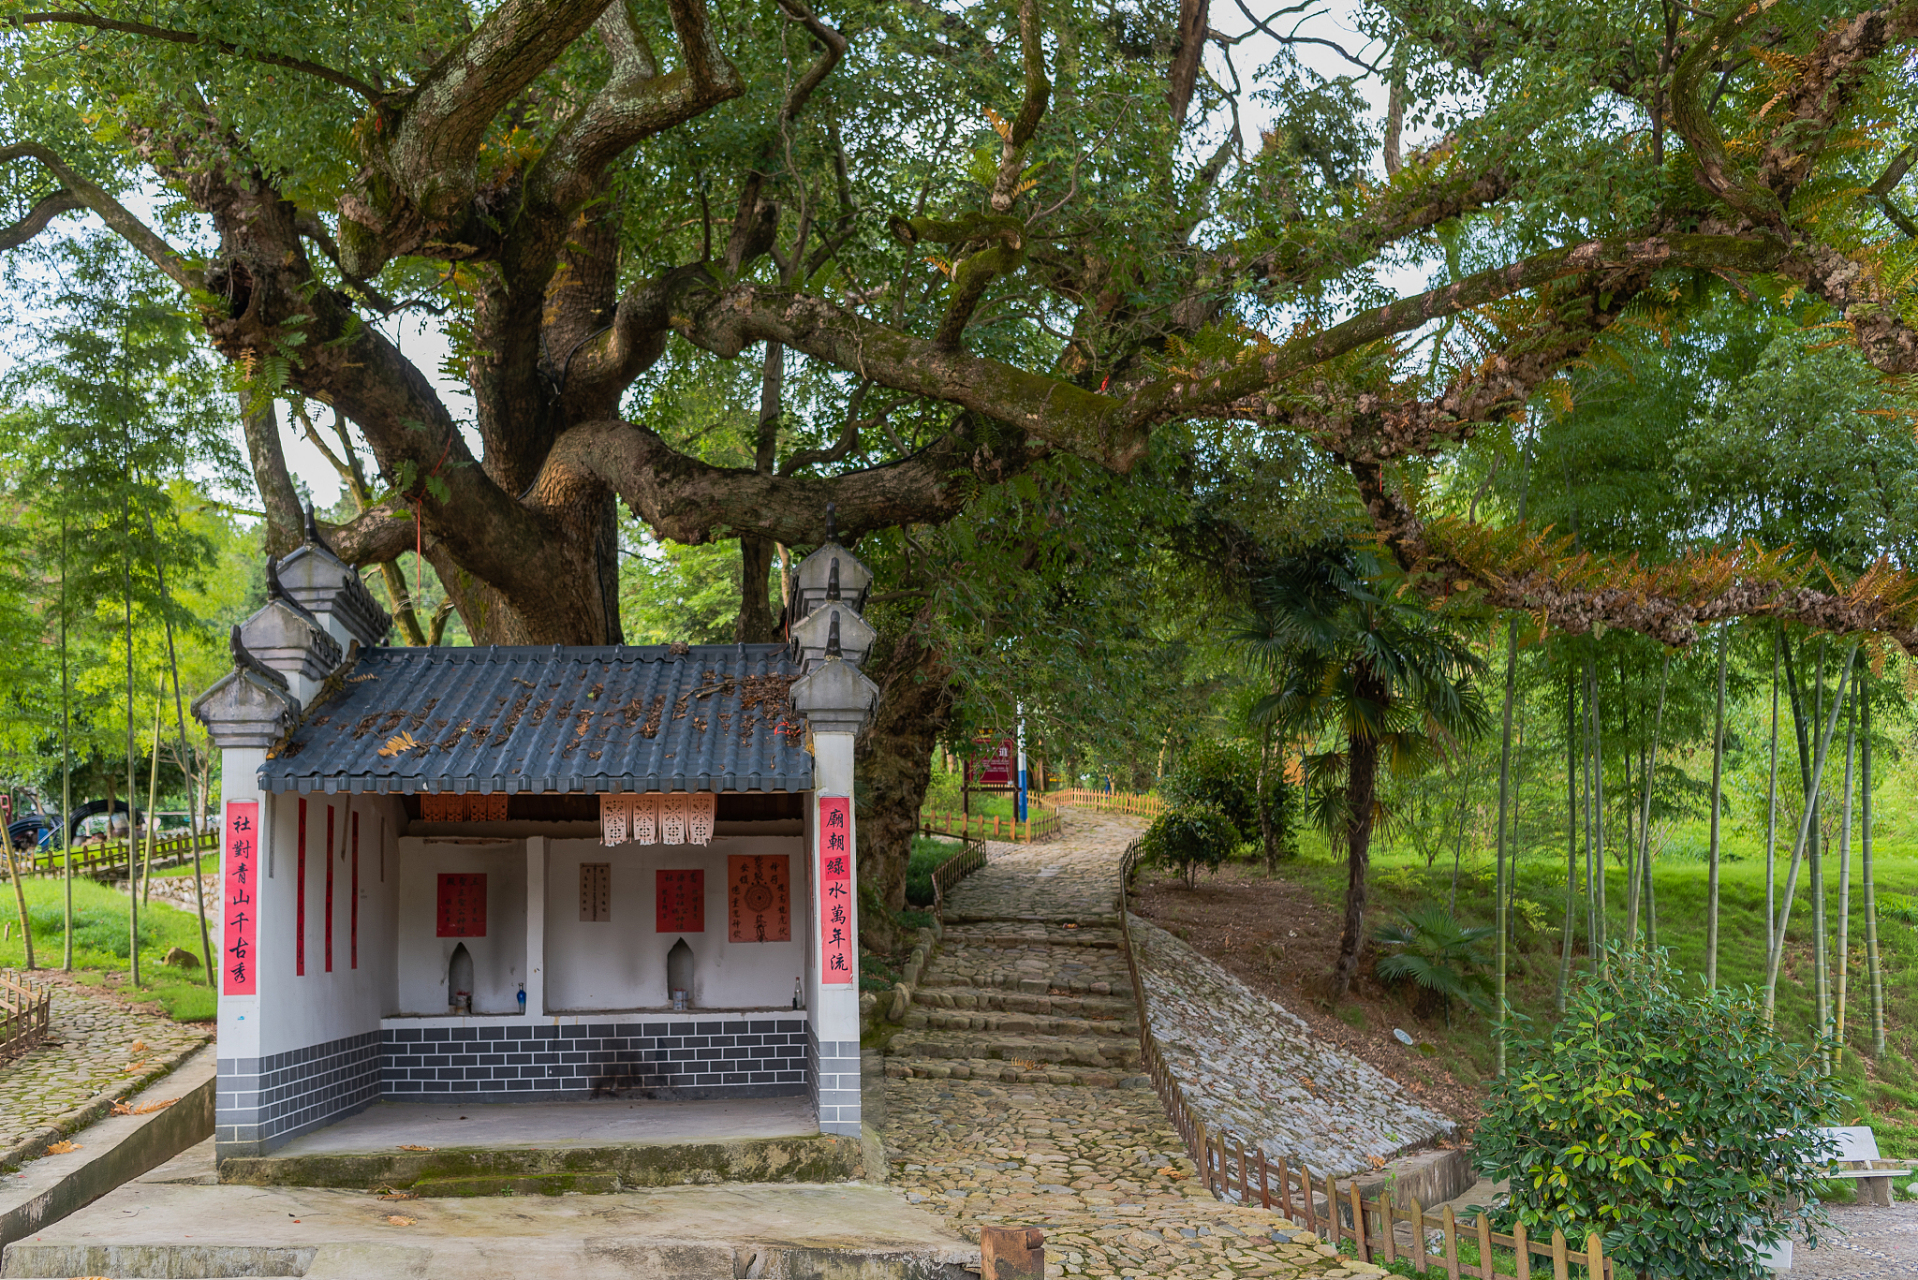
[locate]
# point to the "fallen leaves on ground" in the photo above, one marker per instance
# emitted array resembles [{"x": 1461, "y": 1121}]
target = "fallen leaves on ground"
[
  {"x": 408, "y": 1146},
  {"x": 61, "y": 1147},
  {"x": 145, "y": 1108},
  {"x": 396, "y": 1220}
]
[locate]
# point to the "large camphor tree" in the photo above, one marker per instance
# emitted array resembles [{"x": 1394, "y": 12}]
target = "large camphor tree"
[{"x": 957, "y": 239}]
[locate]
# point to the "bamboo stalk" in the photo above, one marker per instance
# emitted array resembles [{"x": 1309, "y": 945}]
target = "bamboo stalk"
[
  {"x": 1871, "y": 896},
  {"x": 1718, "y": 793}
]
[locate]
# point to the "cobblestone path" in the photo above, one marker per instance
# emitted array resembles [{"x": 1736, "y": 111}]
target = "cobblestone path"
[
  {"x": 96, "y": 1045},
  {"x": 1871, "y": 1243},
  {"x": 1013, "y": 1094}
]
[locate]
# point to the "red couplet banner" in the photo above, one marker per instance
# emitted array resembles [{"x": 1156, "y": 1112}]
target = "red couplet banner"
[
  {"x": 835, "y": 890},
  {"x": 240, "y": 970}
]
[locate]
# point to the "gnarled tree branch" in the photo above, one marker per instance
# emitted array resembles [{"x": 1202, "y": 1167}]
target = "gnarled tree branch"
[{"x": 147, "y": 30}]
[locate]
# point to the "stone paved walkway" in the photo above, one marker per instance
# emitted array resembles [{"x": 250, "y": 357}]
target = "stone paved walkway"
[
  {"x": 1250, "y": 1065},
  {"x": 1870, "y": 1244},
  {"x": 96, "y": 1045},
  {"x": 1013, "y": 1095}
]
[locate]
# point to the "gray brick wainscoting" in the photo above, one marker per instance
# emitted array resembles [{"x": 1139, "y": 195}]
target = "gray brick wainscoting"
[
  {"x": 262, "y": 1103},
  {"x": 657, "y": 1056},
  {"x": 835, "y": 1083}
]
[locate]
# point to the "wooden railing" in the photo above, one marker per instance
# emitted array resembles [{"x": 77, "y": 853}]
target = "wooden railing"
[
  {"x": 1043, "y": 825},
  {"x": 954, "y": 869},
  {"x": 109, "y": 861},
  {"x": 26, "y": 1011},
  {"x": 1132, "y": 802},
  {"x": 1231, "y": 1169}
]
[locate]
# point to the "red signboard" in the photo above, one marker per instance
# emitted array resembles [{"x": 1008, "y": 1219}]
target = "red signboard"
[
  {"x": 997, "y": 769},
  {"x": 759, "y": 897},
  {"x": 679, "y": 901},
  {"x": 835, "y": 890},
  {"x": 240, "y": 976},
  {"x": 462, "y": 911}
]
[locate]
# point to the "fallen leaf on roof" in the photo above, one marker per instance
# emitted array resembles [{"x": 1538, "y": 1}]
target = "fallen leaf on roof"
[{"x": 399, "y": 742}]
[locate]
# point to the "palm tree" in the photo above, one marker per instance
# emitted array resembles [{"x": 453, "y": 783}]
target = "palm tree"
[
  {"x": 1348, "y": 648},
  {"x": 1431, "y": 948}
]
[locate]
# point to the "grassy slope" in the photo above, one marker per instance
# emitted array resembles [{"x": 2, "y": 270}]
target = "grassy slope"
[
  {"x": 1887, "y": 1089},
  {"x": 101, "y": 944}
]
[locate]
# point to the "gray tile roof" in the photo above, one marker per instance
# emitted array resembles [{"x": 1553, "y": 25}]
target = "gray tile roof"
[{"x": 552, "y": 719}]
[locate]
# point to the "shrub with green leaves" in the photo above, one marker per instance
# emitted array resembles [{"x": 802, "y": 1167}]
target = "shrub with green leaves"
[
  {"x": 1225, "y": 774},
  {"x": 1671, "y": 1119},
  {"x": 1189, "y": 837}
]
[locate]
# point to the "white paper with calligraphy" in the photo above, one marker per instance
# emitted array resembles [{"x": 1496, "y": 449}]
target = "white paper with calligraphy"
[
  {"x": 700, "y": 807},
  {"x": 615, "y": 819},
  {"x": 672, "y": 818},
  {"x": 646, "y": 818},
  {"x": 835, "y": 890}
]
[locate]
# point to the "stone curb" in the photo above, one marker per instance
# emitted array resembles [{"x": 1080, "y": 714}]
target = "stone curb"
[
  {"x": 95, "y": 1108},
  {"x": 117, "y": 1150}
]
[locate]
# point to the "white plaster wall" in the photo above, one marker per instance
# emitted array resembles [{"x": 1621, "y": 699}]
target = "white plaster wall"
[
  {"x": 621, "y": 963},
  {"x": 293, "y": 1011},
  {"x": 499, "y": 958}
]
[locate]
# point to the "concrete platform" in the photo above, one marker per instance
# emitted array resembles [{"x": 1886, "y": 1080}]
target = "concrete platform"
[
  {"x": 175, "y": 1222},
  {"x": 555, "y": 1147},
  {"x": 166, "y": 1118}
]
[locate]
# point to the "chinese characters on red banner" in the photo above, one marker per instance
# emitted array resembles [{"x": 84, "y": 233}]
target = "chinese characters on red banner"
[
  {"x": 241, "y": 931},
  {"x": 462, "y": 911},
  {"x": 680, "y": 898},
  {"x": 759, "y": 898},
  {"x": 835, "y": 890}
]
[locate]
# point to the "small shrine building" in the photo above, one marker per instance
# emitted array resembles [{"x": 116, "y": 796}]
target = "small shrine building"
[{"x": 498, "y": 874}]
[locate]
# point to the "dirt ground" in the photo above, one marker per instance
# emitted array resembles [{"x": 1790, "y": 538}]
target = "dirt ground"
[{"x": 1280, "y": 940}]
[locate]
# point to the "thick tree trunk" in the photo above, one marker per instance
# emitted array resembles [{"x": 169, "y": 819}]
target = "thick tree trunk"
[
  {"x": 757, "y": 623},
  {"x": 893, "y": 764},
  {"x": 1360, "y": 789}
]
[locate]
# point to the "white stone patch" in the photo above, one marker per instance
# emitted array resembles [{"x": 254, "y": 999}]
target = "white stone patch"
[{"x": 1250, "y": 1065}]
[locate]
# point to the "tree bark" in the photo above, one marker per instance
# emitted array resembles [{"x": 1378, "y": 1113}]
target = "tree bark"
[
  {"x": 893, "y": 764},
  {"x": 1361, "y": 785}
]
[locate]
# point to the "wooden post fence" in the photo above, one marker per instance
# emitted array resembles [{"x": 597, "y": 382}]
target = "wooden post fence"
[
  {"x": 26, "y": 1012},
  {"x": 111, "y": 861}
]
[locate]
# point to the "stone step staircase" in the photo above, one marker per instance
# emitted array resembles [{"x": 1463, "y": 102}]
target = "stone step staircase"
[
  {"x": 1023, "y": 998},
  {"x": 1089, "y": 1007},
  {"x": 1018, "y": 1024},
  {"x": 1111, "y": 1052}
]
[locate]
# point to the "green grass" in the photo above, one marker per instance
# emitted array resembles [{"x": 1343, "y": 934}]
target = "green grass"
[
  {"x": 1884, "y": 1093},
  {"x": 101, "y": 945},
  {"x": 927, "y": 853}
]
